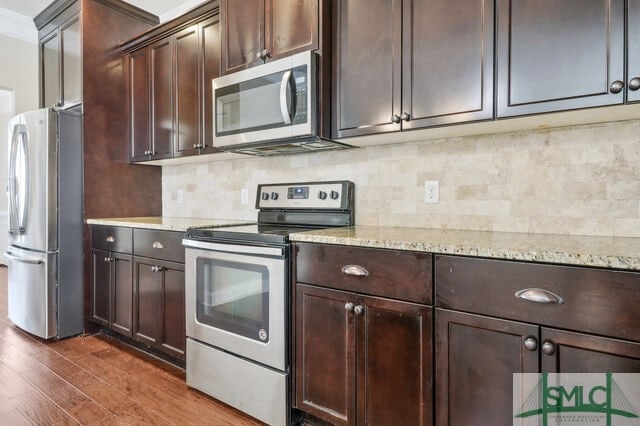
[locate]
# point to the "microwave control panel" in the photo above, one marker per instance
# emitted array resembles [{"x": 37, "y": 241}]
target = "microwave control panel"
[{"x": 300, "y": 80}]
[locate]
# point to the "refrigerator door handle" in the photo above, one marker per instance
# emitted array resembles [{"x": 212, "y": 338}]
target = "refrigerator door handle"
[
  {"x": 23, "y": 259},
  {"x": 12, "y": 177},
  {"x": 22, "y": 170}
]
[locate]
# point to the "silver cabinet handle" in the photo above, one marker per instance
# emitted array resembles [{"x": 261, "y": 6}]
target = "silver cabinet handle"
[
  {"x": 284, "y": 109},
  {"x": 616, "y": 86},
  {"x": 404, "y": 116},
  {"x": 157, "y": 245},
  {"x": 548, "y": 348},
  {"x": 358, "y": 309},
  {"x": 355, "y": 270},
  {"x": 348, "y": 306},
  {"x": 259, "y": 55},
  {"x": 110, "y": 239},
  {"x": 539, "y": 295},
  {"x": 21, "y": 259},
  {"x": 531, "y": 344}
]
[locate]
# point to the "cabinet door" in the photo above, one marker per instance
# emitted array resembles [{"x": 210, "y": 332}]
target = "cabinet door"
[
  {"x": 242, "y": 24},
  {"x": 187, "y": 92},
  {"x": 100, "y": 287},
  {"x": 50, "y": 54},
  {"x": 394, "y": 359},
  {"x": 475, "y": 360},
  {"x": 447, "y": 73},
  {"x": 559, "y": 54},
  {"x": 147, "y": 302},
  {"x": 139, "y": 106},
  {"x": 325, "y": 354},
  {"x": 291, "y": 26},
  {"x": 367, "y": 67},
  {"x": 173, "y": 340},
  {"x": 210, "y": 48},
  {"x": 71, "y": 62},
  {"x": 633, "y": 47},
  {"x": 122, "y": 294},
  {"x": 161, "y": 98},
  {"x": 583, "y": 353}
]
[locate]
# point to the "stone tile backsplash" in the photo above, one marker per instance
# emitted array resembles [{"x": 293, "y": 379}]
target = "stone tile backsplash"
[{"x": 582, "y": 180}]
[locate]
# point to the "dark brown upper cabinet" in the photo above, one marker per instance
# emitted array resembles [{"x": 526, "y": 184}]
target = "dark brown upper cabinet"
[
  {"x": 407, "y": 64},
  {"x": 139, "y": 104},
  {"x": 559, "y": 54},
  {"x": 60, "y": 60},
  {"x": 255, "y": 31},
  {"x": 170, "y": 73},
  {"x": 633, "y": 51}
]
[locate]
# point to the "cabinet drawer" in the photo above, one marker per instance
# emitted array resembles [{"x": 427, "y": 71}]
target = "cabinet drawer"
[
  {"x": 593, "y": 300},
  {"x": 394, "y": 274},
  {"x": 111, "y": 238},
  {"x": 166, "y": 245}
]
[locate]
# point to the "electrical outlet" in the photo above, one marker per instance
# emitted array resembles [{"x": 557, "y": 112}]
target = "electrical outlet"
[
  {"x": 244, "y": 196},
  {"x": 179, "y": 197},
  {"x": 431, "y": 191}
]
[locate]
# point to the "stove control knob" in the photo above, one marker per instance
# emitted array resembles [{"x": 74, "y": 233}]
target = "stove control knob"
[
  {"x": 334, "y": 195},
  {"x": 322, "y": 195},
  {"x": 265, "y": 196},
  {"x": 274, "y": 196}
]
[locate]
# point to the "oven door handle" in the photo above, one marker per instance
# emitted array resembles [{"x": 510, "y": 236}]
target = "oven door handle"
[{"x": 234, "y": 248}]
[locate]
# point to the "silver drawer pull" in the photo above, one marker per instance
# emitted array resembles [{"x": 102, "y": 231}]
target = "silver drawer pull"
[
  {"x": 110, "y": 239},
  {"x": 355, "y": 270},
  {"x": 157, "y": 245},
  {"x": 539, "y": 295}
]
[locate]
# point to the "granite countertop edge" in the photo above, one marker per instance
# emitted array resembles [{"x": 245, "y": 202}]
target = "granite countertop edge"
[
  {"x": 179, "y": 224},
  {"x": 541, "y": 254}
]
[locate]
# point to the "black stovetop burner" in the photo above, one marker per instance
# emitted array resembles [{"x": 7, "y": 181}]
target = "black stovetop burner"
[
  {"x": 286, "y": 209},
  {"x": 274, "y": 234}
]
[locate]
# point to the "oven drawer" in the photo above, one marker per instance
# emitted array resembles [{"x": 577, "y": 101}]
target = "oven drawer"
[
  {"x": 593, "y": 300},
  {"x": 111, "y": 238},
  {"x": 165, "y": 245},
  {"x": 395, "y": 274}
]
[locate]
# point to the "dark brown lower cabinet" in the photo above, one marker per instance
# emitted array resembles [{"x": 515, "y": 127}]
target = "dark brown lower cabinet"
[
  {"x": 112, "y": 291},
  {"x": 159, "y": 305},
  {"x": 476, "y": 357},
  {"x": 361, "y": 359},
  {"x": 583, "y": 353}
]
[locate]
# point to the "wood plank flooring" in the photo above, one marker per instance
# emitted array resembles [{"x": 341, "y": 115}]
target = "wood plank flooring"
[{"x": 94, "y": 380}]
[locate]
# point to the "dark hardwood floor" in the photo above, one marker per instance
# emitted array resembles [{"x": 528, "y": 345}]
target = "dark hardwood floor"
[{"x": 94, "y": 380}]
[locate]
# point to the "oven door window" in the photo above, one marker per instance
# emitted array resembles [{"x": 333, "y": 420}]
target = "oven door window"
[{"x": 233, "y": 297}]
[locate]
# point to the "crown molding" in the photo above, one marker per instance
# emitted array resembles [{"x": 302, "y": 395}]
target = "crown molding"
[
  {"x": 17, "y": 26},
  {"x": 177, "y": 11}
]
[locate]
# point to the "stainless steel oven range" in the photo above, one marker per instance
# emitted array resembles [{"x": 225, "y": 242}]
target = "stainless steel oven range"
[{"x": 237, "y": 296}]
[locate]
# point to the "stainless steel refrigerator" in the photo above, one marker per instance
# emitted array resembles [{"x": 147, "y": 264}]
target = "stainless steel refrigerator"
[{"x": 44, "y": 256}]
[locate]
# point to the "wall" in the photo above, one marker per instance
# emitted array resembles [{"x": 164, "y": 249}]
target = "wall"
[
  {"x": 581, "y": 180},
  {"x": 19, "y": 75}
]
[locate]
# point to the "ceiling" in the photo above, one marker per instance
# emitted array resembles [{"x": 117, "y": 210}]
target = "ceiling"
[{"x": 161, "y": 8}]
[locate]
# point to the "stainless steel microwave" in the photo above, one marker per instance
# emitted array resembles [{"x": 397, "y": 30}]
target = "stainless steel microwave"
[{"x": 270, "y": 109}]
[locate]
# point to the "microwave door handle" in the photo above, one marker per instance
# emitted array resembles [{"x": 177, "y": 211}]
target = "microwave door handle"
[{"x": 284, "y": 108}]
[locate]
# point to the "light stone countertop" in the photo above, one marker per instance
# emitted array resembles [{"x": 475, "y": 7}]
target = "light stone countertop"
[
  {"x": 164, "y": 223},
  {"x": 608, "y": 252}
]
